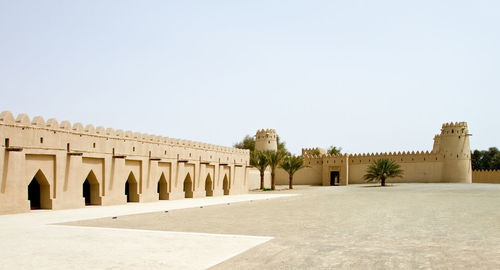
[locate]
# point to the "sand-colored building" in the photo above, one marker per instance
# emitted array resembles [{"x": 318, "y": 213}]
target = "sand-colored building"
[
  {"x": 59, "y": 165},
  {"x": 448, "y": 161}
]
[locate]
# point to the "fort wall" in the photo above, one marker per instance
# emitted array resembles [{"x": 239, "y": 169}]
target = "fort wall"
[
  {"x": 418, "y": 167},
  {"x": 449, "y": 161},
  {"x": 62, "y": 158},
  {"x": 486, "y": 176}
]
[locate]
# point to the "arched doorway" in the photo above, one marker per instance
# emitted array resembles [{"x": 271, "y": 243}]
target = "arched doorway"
[
  {"x": 225, "y": 185},
  {"x": 86, "y": 191},
  {"x": 91, "y": 190},
  {"x": 208, "y": 186},
  {"x": 39, "y": 192},
  {"x": 131, "y": 188},
  {"x": 162, "y": 188},
  {"x": 188, "y": 187}
]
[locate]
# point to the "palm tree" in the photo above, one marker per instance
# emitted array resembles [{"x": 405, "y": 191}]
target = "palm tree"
[
  {"x": 315, "y": 152},
  {"x": 291, "y": 164},
  {"x": 382, "y": 169},
  {"x": 334, "y": 150},
  {"x": 274, "y": 158},
  {"x": 258, "y": 159}
]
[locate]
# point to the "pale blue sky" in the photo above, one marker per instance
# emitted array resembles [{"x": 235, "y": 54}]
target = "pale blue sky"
[{"x": 370, "y": 76}]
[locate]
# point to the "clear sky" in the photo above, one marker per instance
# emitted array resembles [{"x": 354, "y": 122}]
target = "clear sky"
[{"x": 369, "y": 76}]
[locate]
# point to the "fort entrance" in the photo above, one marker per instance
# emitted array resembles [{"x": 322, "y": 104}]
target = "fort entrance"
[
  {"x": 86, "y": 191},
  {"x": 39, "y": 192},
  {"x": 162, "y": 188},
  {"x": 91, "y": 190},
  {"x": 34, "y": 194},
  {"x": 131, "y": 189},
  {"x": 335, "y": 178}
]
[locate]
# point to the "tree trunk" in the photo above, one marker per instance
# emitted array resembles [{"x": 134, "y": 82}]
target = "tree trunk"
[
  {"x": 382, "y": 181},
  {"x": 273, "y": 184},
  {"x": 290, "y": 184},
  {"x": 261, "y": 180}
]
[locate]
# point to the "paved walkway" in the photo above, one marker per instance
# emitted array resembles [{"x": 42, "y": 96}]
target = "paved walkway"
[
  {"x": 404, "y": 226},
  {"x": 32, "y": 241}
]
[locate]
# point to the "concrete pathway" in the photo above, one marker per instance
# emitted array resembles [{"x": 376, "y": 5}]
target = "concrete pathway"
[{"x": 35, "y": 240}]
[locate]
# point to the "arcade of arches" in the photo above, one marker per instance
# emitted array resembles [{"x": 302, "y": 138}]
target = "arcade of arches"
[
  {"x": 39, "y": 189},
  {"x": 60, "y": 165}
]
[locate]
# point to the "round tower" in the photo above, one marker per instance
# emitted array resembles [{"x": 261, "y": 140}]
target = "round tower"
[
  {"x": 435, "y": 147},
  {"x": 453, "y": 143},
  {"x": 266, "y": 139}
]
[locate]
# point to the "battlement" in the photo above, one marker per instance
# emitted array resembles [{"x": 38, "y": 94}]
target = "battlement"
[
  {"x": 307, "y": 156},
  {"x": 487, "y": 171},
  {"x": 391, "y": 154},
  {"x": 266, "y": 139},
  {"x": 265, "y": 133},
  {"x": 454, "y": 129},
  {"x": 454, "y": 125},
  {"x": 486, "y": 176},
  {"x": 23, "y": 121},
  {"x": 313, "y": 151},
  {"x": 337, "y": 155}
]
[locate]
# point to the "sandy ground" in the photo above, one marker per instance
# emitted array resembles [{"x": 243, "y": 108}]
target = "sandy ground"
[
  {"x": 35, "y": 241},
  {"x": 404, "y": 226}
]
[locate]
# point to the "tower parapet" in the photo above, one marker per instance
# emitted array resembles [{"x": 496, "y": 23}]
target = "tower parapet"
[{"x": 266, "y": 139}]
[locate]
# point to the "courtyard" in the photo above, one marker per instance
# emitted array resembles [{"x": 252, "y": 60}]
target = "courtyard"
[{"x": 402, "y": 226}]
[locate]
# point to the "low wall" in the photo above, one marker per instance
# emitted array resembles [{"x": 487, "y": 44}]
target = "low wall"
[
  {"x": 486, "y": 176},
  {"x": 254, "y": 179},
  {"x": 305, "y": 176}
]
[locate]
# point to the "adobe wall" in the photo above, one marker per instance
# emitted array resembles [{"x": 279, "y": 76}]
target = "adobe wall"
[
  {"x": 312, "y": 175},
  {"x": 254, "y": 176},
  {"x": 486, "y": 176},
  {"x": 306, "y": 176},
  {"x": 449, "y": 161},
  {"x": 61, "y": 156},
  {"x": 418, "y": 167}
]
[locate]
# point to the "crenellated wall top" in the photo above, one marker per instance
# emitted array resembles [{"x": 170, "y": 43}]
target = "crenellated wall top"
[
  {"x": 312, "y": 157},
  {"x": 23, "y": 120},
  {"x": 407, "y": 154},
  {"x": 265, "y": 133},
  {"x": 404, "y": 153},
  {"x": 311, "y": 151},
  {"x": 337, "y": 155},
  {"x": 456, "y": 124},
  {"x": 486, "y": 171}
]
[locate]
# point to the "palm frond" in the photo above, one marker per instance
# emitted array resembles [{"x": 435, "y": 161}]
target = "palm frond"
[
  {"x": 274, "y": 158},
  {"x": 259, "y": 160},
  {"x": 292, "y": 164}
]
